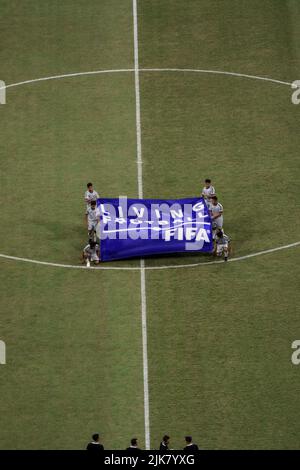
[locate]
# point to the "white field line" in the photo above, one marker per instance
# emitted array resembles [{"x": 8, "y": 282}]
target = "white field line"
[
  {"x": 148, "y": 268},
  {"x": 66, "y": 75},
  {"x": 140, "y": 191},
  {"x": 218, "y": 72},
  {"x": 135, "y": 70}
]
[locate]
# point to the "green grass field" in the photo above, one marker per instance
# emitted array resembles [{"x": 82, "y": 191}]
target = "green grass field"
[{"x": 219, "y": 336}]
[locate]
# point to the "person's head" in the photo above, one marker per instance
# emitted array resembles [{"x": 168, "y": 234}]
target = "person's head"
[
  {"x": 134, "y": 442},
  {"x": 219, "y": 233},
  {"x": 92, "y": 244},
  {"x": 166, "y": 439},
  {"x": 95, "y": 437},
  {"x": 93, "y": 204},
  {"x": 90, "y": 187},
  {"x": 214, "y": 200},
  {"x": 188, "y": 439},
  {"x": 207, "y": 182}
]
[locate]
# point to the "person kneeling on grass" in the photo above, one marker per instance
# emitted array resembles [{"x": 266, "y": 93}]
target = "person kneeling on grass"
[
  {"x": 91, "y": 253},
  {"x": 222, "y": 244}
]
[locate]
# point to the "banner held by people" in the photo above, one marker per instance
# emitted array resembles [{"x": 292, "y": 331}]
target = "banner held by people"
[{"x": 143, "y": 227}]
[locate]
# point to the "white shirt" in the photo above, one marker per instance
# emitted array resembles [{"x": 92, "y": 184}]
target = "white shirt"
[
  {"x": 90, "y": 196},
  {"x": 217, "y": 209},
  {"x": 93, "y": 214},
  {"x": 208, "y": 192},
  {"x": 93, "y": 252}
]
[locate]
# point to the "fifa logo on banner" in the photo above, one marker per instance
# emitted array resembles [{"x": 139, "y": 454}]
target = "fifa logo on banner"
[
  {"x": 2, "y": 92},
  {"x": 296, "y": 93},
  {"x": 2, "y": 352},
  {"x": 296, "y": 354}
]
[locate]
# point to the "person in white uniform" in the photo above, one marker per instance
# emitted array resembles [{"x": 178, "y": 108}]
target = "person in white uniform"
[
  {"x": 216, "y": 212},
  {"x": 208, "y": 191},
  {"x": 222, "y": 244},
  {"x": 90, "y": 195},
  {"x": 91, "y": 253},
  {"x": 92, "y": 219}
]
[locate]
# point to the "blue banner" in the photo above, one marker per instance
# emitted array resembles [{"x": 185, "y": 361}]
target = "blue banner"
[{"x": 142, "y": 227}]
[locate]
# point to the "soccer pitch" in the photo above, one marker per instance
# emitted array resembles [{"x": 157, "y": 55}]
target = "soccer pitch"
[{"x": 149, "y": 101}]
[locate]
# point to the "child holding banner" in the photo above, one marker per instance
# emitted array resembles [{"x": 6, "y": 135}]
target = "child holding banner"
[
  {"x": 92, "y": 219},
  {"x": 222, "y": 244},
  {"x": 91, "y": 253},
  {"x": 208, "y": 191}
]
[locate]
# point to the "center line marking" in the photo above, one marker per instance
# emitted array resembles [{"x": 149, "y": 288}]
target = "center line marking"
[{"x": 140, "y": 191}]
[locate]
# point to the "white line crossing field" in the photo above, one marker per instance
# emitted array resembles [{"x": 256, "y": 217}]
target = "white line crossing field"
[
  {"x": 140, "y": 190},
  {"x": 149, "y": 268},
  {"x": 145, "y": 70}
]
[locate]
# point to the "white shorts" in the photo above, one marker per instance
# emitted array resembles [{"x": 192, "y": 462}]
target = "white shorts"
[
  {"x": 221, "y": 248},
  {"x": 218, "y": 222},
  {"x": 215, "y": 229},
  {"x": 94, "y": 257},
  {"x": 92, "y": 226}
]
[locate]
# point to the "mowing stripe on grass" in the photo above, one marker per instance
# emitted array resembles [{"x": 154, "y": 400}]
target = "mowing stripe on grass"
[{"x": 140, "y": 190}]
